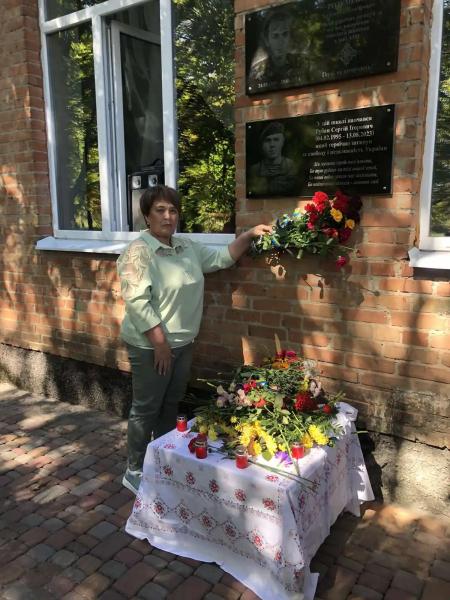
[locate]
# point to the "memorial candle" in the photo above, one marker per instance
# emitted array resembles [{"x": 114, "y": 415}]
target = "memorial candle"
[
  {"x": 181, "y": 423},
  {"x": 201, "y": 448},
  {"x": 297, "y": 450},
  {"x": 241, "y": 457}
]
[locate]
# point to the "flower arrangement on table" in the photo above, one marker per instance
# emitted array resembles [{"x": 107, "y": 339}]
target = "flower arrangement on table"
[
  {"x": 323, "y": 229},
  {"x": 270, "y": 410}
]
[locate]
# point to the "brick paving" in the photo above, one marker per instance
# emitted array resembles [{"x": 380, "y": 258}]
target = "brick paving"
[{"x": 63, "y": 511}]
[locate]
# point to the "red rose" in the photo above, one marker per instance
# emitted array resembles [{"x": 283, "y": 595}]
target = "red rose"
[
  {"x": 344, "y": 234},
  {"x": 341, "y": 261},
  {"x": 310, "y": 208},
  {"x": 341, "y": 202},
  {"x": 327, "y": 409},
  {"x": 249, "y": 386},
  {"x": 305, "y": 402},
  {"x": 320, "y": 197}
]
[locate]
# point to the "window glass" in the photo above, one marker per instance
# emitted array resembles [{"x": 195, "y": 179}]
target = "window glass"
[
  {"x": 440, "y": 205},
  {"x": 142, "y": 103},
  {"x": 58, "y": 8},
  {"x": 71, "y": 65},
  {"x": 204, "y": 48}
]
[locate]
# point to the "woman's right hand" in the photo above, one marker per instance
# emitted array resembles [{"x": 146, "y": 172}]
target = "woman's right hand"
[
  {"x": 162, "y": 350},
  {"x": 163, "y": 358}
]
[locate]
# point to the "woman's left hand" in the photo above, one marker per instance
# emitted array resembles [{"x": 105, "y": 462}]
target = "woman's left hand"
[
  {"x": 242, "y": 243},
  {"x": 259, "y": 230}
]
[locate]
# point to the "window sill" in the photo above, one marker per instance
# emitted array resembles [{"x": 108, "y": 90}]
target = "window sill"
[
  {"x": 432, "y": 259},
  {"x": 115, "y": 247}
]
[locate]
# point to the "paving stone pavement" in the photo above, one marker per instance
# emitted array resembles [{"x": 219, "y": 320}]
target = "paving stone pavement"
[{"x": 63, "y": 511}]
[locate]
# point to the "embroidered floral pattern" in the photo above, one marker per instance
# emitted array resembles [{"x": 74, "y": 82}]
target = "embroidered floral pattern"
[
  {"x": 240, "y": 495},
  {"x": 170, "y": 446},
  {"x": 230, "y": 530},
  {"x": 207, "y": 521},
  {"x": 159, "y": 508},
  {"x": 131, "y": 267},
  {"x": 168, "y": 470},
  {"x": 272, "y": 478},
  {"x": 214, "y": 486},
  {"x": 257, "y": 540},
  {"x": 269, "y": 504},
  {"x": 190, "y": 479},
  {"x": 184, "y": 513}
]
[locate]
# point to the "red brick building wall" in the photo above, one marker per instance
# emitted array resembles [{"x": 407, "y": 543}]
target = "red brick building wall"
[{"x": 378, "y": 329}]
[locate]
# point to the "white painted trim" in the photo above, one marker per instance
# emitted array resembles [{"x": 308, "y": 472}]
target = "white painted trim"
[
  {"x": 102, "y": 121},
  {"x": 121, "y": 207},
  {"x": 81, "y": 16},
  {"x": 429, "y": 260},
  {"x": 168, "y": 95},
  {"x": 111, "y": 247},
  {"x": 427, "y": 242},
  {"x": 49, "y": 122},
  {"x": 92, "y": 246}
]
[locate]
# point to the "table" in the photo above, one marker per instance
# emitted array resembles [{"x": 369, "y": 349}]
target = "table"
[{"x": 261, "y": 527}]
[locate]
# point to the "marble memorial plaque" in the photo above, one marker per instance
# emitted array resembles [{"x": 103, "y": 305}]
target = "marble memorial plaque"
[
  {"x": 314, "y": 41},
  {"x": 350, "y": 150}
]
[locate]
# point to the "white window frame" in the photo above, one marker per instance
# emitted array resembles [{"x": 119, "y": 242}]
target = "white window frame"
[
  {"x": 428, "y": 242},
  {"x": 109, "y": 240}
]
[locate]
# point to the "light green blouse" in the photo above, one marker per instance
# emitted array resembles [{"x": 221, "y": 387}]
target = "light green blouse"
[{"x": 164, "y": 285}]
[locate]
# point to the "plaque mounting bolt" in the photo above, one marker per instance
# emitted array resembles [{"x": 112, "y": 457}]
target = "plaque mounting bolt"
[{"x": 388, "y": 64}]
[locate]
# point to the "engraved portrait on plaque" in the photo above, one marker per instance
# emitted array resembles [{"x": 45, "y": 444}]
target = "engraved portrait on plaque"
[
  {"x": 350, "y": 150},
  {"x": 312, "y": 41}
]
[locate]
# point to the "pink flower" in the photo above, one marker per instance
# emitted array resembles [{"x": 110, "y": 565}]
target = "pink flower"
[
  {"x": 331, "y": 232},
  {"x": 341, "y": 261}
]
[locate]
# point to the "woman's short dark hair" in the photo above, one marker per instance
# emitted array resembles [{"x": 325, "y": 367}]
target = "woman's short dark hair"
[{"x": 158, "y": 192}]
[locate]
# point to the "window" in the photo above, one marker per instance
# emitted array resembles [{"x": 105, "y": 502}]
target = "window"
[
  {"x": 117, "y": 102},
  {"x": 435, "y": 189}
]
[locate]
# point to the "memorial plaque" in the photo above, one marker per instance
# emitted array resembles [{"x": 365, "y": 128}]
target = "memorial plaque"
[
  {"x": 314, "y": 41},
  {"x": 350, "y": 150}
]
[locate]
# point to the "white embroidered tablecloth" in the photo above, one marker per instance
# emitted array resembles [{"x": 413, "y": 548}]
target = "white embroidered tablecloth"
[{"x": 262, "y": 528}]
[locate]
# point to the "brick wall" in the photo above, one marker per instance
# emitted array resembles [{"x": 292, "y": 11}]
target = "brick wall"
[{"x": 378, "y": 329}]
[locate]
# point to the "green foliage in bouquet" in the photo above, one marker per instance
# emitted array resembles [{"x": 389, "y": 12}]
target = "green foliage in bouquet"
[
  {"x": 267, "y": 408},
  {"x": 322, "y": 229}
]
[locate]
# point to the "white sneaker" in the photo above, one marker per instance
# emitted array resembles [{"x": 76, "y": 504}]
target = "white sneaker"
[{"x": 132, "y": 480}]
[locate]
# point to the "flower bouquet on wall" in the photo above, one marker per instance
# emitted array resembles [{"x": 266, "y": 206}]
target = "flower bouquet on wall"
[
  {"x": 323, "y": 229},
  {"x": 277, "y": 409}
]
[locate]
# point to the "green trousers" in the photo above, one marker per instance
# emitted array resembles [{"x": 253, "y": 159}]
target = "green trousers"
[{"x": 155, "y": 401}]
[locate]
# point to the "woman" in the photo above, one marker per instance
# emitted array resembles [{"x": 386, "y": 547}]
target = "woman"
[{"x": 162, "y": 286}]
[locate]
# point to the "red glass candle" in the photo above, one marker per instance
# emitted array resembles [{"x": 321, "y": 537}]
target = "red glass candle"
[
  {"x": 201, "y": 448},
  {"x": 181, "y": 423},
  {"x": 241, "y": 457},
  {"x": 297, "y": 450}
]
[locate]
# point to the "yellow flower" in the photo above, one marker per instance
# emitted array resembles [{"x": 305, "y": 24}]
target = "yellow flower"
[
  {"x": 350, "y": 223},
  {"x": 282, "y": 447},
  {"x": 307, "y": 441},
  {"x": 257, "y": 448},
  {"x": 212, "y": 435},
  {"x": 233, "y": 419},
  {"x": 336, "y": 214},
  {"x": 317, "y": 435},
  {"x": 203, "y": 429}
]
